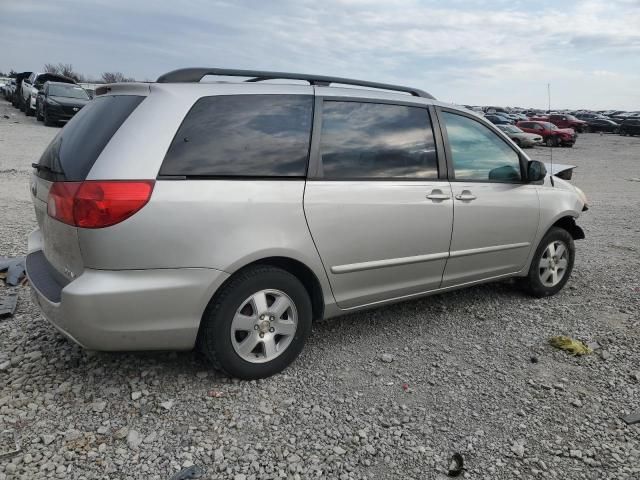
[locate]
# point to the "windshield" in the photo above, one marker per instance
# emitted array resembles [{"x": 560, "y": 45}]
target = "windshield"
[
  {"x": 549, "y": 126},
  {"x": 571, "y": 117},
  {"x": 69, "y": 91},
  {"x": 513, "y": 129}
]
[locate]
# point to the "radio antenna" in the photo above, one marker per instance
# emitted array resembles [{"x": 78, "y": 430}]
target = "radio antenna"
[{"x": 551, "y": 147}]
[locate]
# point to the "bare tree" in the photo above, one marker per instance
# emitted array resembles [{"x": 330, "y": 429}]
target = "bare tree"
[
  {"x": 65, "y": 69},
  {"x": 115, "y": 77},
  {"x": 51, "y": 68}
]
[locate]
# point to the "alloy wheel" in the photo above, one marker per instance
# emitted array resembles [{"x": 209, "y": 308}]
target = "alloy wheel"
[
  {"x": 553, "y": 263},
  {"x": 264, "y": 326}
]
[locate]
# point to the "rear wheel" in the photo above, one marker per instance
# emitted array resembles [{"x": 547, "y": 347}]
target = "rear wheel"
[
  {"x": 257, "y": 324},
  {"x": 551, "y": 265}
]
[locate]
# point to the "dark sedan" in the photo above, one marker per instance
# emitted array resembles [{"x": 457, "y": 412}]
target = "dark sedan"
[
  {"x": 630, "y": 126},
  {"x": 59, "y": 102},
  {"x": 601, "y": 125},
  {"x": 499, "y": 119}
]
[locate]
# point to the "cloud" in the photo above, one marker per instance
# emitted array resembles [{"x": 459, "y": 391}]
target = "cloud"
[{"x": 498, "y": 52}]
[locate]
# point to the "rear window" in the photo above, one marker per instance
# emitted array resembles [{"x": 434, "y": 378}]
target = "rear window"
[
  {"x": 376, "y": 141},
  {"x": 77, "y": 146},
  {"x": 243, "y": 136}
]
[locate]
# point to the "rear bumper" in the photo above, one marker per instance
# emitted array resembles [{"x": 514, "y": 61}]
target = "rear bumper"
[{"x": 157, "y": 309}]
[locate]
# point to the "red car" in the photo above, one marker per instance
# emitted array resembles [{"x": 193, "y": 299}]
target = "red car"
[
  {"x": 563, "y": 120},
  {"x": 551, "y": 135}
]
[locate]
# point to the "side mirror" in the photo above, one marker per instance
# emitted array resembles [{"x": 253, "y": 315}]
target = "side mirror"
[{"x": 536, "y": 171}]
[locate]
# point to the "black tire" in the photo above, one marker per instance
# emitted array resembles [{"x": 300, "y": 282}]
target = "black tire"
[
  {"x": 39, "y": 116},
  {"x": 45, "y": 117},
  {"x": 517, "y": 142},
  {"x": 27, "y": 108},
  {"x": 533, "y": 283},
  {"x": 550, "y": 141},
  {"x": 214, "y": 338}
]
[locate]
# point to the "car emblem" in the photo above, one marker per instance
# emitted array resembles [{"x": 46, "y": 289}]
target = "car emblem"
[{"x": 75, "y": 109}]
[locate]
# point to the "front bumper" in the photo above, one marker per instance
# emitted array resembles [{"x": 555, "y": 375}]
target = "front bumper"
[{"x": 158, "y": 309}]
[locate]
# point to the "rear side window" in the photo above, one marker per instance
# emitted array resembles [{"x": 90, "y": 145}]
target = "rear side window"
[
  {"x": 243, "y": 136},
  {"x": 76, "y": 148},
  {"x": 374, "y": 140}
]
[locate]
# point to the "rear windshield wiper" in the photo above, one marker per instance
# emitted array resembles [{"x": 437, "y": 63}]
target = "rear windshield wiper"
[{"x": 39, "y": 167}]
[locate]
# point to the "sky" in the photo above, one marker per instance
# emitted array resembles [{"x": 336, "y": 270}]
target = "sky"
[{"x": 478, "y": 52}]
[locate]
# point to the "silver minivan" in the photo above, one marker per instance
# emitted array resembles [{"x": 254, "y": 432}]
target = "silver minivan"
[{"x": 231, "y": 215}]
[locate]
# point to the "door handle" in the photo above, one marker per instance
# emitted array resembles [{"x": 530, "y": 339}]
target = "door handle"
[
  {"x": 438, "y": 195},
  {"x": 466, "y": 195}
]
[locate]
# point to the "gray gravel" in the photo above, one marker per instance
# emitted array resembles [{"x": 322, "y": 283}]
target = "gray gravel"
[{"x": 388, "y": 393}]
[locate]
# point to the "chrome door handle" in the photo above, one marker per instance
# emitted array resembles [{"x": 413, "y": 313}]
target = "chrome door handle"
[
  {"x": 466, "y": 195},
  {"x": 438, "y": 196}
]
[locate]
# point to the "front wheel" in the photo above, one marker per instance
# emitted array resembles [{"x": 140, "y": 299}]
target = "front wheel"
[
  {"x": 257, "y": 324},
  {"x": 550, "y": 142},
  {"x": 551, "y": 265}
]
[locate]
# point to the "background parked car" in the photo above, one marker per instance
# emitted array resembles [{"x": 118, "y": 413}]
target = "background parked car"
[
  {"x": 498, "y": 119},
  {"x": 16, "y": 98},
  {"x": 58, "y": 101},
  {"x": 519, "y": 137},
  {"x": 8, "y": 87},
  {"x": 601, "y": 125},
  {"x": 32, "y": 85},
  {"x": 630, "y": 126},
  {"x": 568, "y": 121},
  {"x": 552, "y": 135}
]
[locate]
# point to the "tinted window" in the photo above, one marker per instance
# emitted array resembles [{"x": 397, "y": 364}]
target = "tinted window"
[
  {"x": 478, "y": 153},
  {"x": 243, "y": 135},
  {"x": 373, "y": 140},
  {"x": 77, "y": 146}
]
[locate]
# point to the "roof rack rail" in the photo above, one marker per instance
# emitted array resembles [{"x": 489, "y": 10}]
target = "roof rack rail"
[{"x": 194, "y": 75}]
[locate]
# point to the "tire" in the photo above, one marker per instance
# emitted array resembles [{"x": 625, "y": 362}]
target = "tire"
[
  {"x": 39, "y": 116},
  {"x": 550, "y": 142},
  {"x": 541, "y": 280},
  {"x": 234, "y": 307},
  {"x": 517, "y": 142},
  {"x": 45, "y": 117},
  {"x": 27, "y": 109}
]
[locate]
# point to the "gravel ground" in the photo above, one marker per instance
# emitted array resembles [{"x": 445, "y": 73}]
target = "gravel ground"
[{"x": 388, "y": 393}]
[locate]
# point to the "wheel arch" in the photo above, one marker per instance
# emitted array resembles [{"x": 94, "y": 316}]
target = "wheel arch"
[
  {"x": 568, "y": 223},
  {"x": 295, "y": 267}
]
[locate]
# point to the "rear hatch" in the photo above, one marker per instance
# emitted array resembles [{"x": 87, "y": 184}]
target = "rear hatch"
[{"x": 69, "y": 158}]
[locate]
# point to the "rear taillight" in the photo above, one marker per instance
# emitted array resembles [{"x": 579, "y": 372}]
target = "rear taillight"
[{"x": 97, "y": 203}]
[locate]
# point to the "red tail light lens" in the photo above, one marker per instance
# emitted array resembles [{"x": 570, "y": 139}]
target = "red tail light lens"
[{"x": 96, "y": 203}]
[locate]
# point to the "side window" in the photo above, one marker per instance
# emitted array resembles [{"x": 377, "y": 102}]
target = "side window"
[
  {"x": 243, "y": 136},
  {"x": 478, "y": 153},
  {"x": 375, "y": 140}
]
